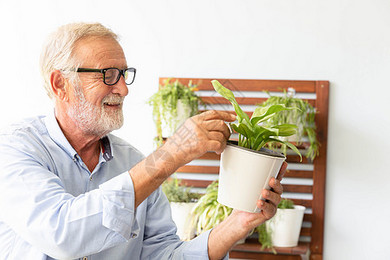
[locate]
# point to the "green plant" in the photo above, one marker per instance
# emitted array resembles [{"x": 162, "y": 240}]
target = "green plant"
[
  {"x": 252, "y": 135},
  {"x": 177, "y": 192},
  {"x": 208, "y": 212},
  {"x": 165, "y": 101},
  {"x": 265, "y": 237},
  {"x": 265, "y": 233},
  {"x": 303, "y": 117},
  {"x": 286, "y": 204}
]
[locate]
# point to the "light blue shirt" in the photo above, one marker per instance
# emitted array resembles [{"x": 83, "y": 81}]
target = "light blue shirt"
[{"x": 53, "y": 207}]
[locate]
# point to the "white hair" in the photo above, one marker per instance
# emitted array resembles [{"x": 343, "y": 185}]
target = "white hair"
[{"x": 57, "y": 52}]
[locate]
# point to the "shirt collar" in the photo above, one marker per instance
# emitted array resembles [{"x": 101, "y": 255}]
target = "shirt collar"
[
  {"x": 106, "y": 148},
  {"x": 59, "y": 138}
]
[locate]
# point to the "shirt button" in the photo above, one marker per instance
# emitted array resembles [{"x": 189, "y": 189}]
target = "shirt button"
[
  {"x": 90, "y": 178},
  {"x": 85, "y": 258},
  {"x": 133, "y": 235}
]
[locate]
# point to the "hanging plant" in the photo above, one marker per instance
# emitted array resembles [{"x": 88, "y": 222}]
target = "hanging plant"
[
  {"x": 165, "y": 105},
  {"x": 177, "y": 192},
  {"x": 303, "y": 116},
  {"x": 208, "y": 212}
]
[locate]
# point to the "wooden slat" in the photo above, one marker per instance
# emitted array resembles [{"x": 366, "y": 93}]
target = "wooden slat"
[
  {"x": 265, "y": 255},
  {"x": 286, "y": 188},
  {"x": 196, "y": 183},
  {"x": 305, "y": 231},
  {"x": 255, "y": 246},
  {"x": 297, "y": 188},
  {"x": 316, "y": 257},
  {"x": 209, "y": 100},
  {"x": 215, "y": 170},
  {"x": 306, "y": 203},
  {"x": 307, "y": 217},
  {"x": 321, "y": 119},
  {"x": 210, "y": 156},
  {"x": 296, "y": 159},
  {"x": 199, "y": 169},
  {"x": 240, "y": 100},
  {"x": 290, "y": 158},
  {"x": 299, "y": 174},
  {"x": 307, "y": 86}
]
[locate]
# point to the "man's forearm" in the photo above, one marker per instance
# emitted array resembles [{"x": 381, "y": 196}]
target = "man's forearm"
[
  {"x": 223, "y": 237},
  {"x": 151, "y": 172}
]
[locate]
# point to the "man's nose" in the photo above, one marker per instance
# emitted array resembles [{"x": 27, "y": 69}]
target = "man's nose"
[{"x": 120, "y": 87}]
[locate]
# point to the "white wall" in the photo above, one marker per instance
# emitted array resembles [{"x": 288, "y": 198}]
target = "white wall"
[{"x": 344, "y": 41}]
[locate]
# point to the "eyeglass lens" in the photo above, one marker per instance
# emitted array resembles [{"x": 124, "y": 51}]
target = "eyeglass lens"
[{"x": 113, "y": 75}]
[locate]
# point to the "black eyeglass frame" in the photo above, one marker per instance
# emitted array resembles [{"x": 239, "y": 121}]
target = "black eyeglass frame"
[{"x": 103, "y": 71}]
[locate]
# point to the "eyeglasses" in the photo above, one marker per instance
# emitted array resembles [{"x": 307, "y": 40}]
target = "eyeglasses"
[{"x": 111, "y": 76}]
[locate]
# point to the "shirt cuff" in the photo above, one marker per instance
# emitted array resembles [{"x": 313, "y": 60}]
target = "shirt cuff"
[
  {"x": 201, "y": 241},
  {"x": 118, "y": 205}
]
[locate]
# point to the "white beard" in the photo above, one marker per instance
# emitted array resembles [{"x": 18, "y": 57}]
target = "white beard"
[{"x": 96, "y": 120}]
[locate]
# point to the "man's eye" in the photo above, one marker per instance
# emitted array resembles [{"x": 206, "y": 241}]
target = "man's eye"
[{"x": 109, "y": 77}]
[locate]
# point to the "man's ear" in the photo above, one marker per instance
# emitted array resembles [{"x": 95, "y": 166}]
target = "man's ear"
[{"x": 58, "y": 85}]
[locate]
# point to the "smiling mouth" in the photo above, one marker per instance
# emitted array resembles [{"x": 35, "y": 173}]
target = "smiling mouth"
[{"x": 114, "y": 105}]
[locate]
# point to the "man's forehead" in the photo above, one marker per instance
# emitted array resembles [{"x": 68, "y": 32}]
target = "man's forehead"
[{"x": 100, "y": 50}]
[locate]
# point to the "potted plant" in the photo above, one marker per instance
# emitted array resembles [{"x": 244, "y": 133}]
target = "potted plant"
[
  {"x": 246, "y": 166},
  {"x": 283, "y": 229},
  {"x": 208, "y": 212},
  {"x": 303, "y": 117},
  {"x": 172, "y": 104},
  {"x": 182, "y": 201}
]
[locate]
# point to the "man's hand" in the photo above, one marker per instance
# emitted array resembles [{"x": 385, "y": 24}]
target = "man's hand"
[
  {"x": 199, "y": 134},
  {"x": 240, "y": 223}
]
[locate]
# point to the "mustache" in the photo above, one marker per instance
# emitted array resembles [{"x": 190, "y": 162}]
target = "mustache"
[{"x": 113, "y": 99}]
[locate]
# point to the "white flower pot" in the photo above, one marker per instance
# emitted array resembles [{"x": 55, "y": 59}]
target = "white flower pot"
[
  {"x": 183, "y": 112},
  {"x": 286, "y": 226},
  {"x": 181, "y": 215},
  {"x": 243, "y": 175}
]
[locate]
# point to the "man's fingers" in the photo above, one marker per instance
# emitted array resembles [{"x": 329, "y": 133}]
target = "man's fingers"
[
  {"x": 276, "y": 186},
  {"x": 217, "y": 136},
  {"x": 217, "y": 125},
  {"x": 222, "y": 115},
  {"x": 268, "y": 209},
  {"x": 282, "y": 171},
  {"x": 272, "y": 197},
  {"x": 216, "y": 146}
]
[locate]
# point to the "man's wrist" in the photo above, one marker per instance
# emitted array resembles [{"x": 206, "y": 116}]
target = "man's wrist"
[{"x": 175, "y": 154}]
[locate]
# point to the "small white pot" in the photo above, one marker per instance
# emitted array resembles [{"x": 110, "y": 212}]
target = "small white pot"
[
  {"x": 181, "y": 215},
  {"x": 286, "y": 226},
  {"x": 243, "y": 175},
  {"x": 183, "y": 112}
]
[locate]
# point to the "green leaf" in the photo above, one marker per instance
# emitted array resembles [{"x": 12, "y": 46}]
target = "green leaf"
[
  {"x": 294, "y": 148},
  {"x": 290, "y": 145},
  {"x": 286, "y": 129},
  {"x": 264, "y": 113},
  {"x": 228, "y": 94},
  {"x": 238, "y": 129},
  {"x": 248, "y": 133},
  {"x": 262, "y": 136}
]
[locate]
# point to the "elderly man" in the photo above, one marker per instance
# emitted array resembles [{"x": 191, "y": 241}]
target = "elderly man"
[{"x": 70, "y": 189}]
